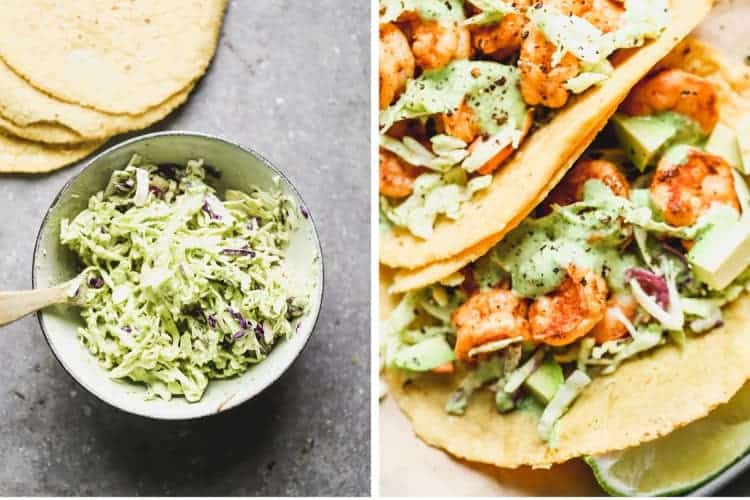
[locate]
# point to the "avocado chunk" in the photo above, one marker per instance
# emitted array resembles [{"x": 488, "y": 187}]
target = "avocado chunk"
[
  {"x": 723, "y": 142},
  {"x": 425, "y": 355},
  {"x": 742, "y": 129},
  {"x": 721, "y": 253},
  {"x": 644, "y": 137},
  {"x": 545, "y": 381}
]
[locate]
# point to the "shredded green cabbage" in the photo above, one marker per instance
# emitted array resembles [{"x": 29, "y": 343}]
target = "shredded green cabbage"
[
  {"x": 428, "y": 10},
  {"x": 432, "y": 196},
  {"x": 183, "y": 287}
]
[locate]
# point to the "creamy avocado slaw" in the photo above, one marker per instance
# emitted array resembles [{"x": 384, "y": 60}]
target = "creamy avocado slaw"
[
  {"x": 677, "y": 278},
  {"x": 454, "y": 124},
  {"x": 182, "y": 287}
]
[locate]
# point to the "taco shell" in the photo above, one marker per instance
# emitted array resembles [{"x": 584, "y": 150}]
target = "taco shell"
[
  {"x": 692, "y": 55},
  {"x": 545, "y": 155}
]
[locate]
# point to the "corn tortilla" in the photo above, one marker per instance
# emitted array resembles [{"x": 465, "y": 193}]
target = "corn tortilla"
[
  {"x": 29, "y": 113},
  {"x": 18, "y": 156},
  {"x": 114, "y": 56},
  {"x": 542, "y": 155},
  {"x": 644, "y": 399},
  {"x": 49, "y": 133}
]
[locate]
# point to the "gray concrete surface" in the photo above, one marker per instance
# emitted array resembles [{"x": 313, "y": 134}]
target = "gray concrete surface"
[{"x": 290, "y": 79}]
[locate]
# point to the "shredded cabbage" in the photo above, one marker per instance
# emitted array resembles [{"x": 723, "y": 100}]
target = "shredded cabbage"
[
  {"x": 565, "y": 395},
  {"x": 446, "y": 151},
  {"x": 571, "y": 34},
  {"x": 191, "y": 287},
  {"x": 432, "y": 196},
  {"x": 429, "y": 10},
  {"x": 487, "y": 371},
  {"x": 590, "y": 75}
]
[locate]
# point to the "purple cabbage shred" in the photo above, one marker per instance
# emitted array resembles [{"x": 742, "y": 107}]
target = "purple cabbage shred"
[
  {"x": 676, "y": 253},
  {"x": 211, "y": 319},
  {"x": 304, "y": 211},
  {"x": 239, "y": 252},
  {"x": 259, "y": 332},
  {"x": 207, "y": 208},
  {"x": 239, "y": 334},
  {"x": 654, "y": 285},
  {"x": 240, "y": 318},
  {"x": 96, "y": 283}
]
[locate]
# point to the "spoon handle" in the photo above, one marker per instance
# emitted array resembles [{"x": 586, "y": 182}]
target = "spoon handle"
[{"x": 16, "y": 305}]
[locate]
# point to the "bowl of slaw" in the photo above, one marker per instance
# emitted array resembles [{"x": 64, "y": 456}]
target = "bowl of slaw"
[{"x": 234, "y": 169}]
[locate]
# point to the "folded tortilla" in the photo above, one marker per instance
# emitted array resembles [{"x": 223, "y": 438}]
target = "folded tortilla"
[
  {"x": 543, "y": 156},
  {"x": 733, "y": 87},
  {"x": 647, "y": 397}
]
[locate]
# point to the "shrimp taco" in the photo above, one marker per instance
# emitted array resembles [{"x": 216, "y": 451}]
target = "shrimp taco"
[
  {"x": 613, "y": 314},
  {"x": 485, "y": 104}
]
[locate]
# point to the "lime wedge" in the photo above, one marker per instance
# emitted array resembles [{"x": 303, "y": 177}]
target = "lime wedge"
[{"x": 683, "y": 460}]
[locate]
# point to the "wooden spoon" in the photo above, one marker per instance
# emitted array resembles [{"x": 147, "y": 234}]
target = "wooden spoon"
[{"x": 16, "y": 305}]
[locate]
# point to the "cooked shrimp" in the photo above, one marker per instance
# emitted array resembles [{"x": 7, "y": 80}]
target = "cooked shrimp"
[
  {"x": 570, "y": 189},
  {"x": 678, "y": 91},
  {"x": 542, "y": 83},
  {"x": 492, "y": 315},
  {"x": 396, "y": 63},
  {"x": 396, "y": 176},
  {"x": 435, "y": 44},
  {"x": 610, "y": 327},
  {"x": 571, "y": 7},
  {"x": 460, "y": 123},
  {"x": 502, "y": 39},
  {"x": 685, "y": 191},
  {"x": 605, "y": 15},
  {"x": 503, "y": 155},
  {"x": 570, "y": 312}
]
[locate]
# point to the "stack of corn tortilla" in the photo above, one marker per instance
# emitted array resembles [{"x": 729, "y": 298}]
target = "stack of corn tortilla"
[{"x": 75, "y": 73}]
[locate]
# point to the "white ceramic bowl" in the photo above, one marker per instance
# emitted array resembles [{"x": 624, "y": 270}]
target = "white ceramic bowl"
[{"x": 241, "y": 168}]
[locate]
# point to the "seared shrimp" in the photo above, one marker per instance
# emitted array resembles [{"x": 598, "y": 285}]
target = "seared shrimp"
[
  {"x": 542, "y": 83},
  {"x": 570, "y": 312},
  {"x": 678, "y": 91},
  {"x": 492, "y": 315},
  {"x": 396, "y": 176},
  {"x": 460, "y": 123},
  {"x": 571, "y": 7},
  {"x": 503, "y": 155},
  {"x": 605, "y": 15},
  {"x": 502, "y": 39},
  {"x": 396, "y": 63},
  {"x": 570, "y": 189},
  {"x": 435, "y": 44},
  {"x": 683, "y": 192},
  {"x": 610, "y": 327}
]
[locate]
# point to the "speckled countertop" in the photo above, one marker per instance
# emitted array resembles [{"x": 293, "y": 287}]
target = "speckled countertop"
[{"x": 289, "y": 79}]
